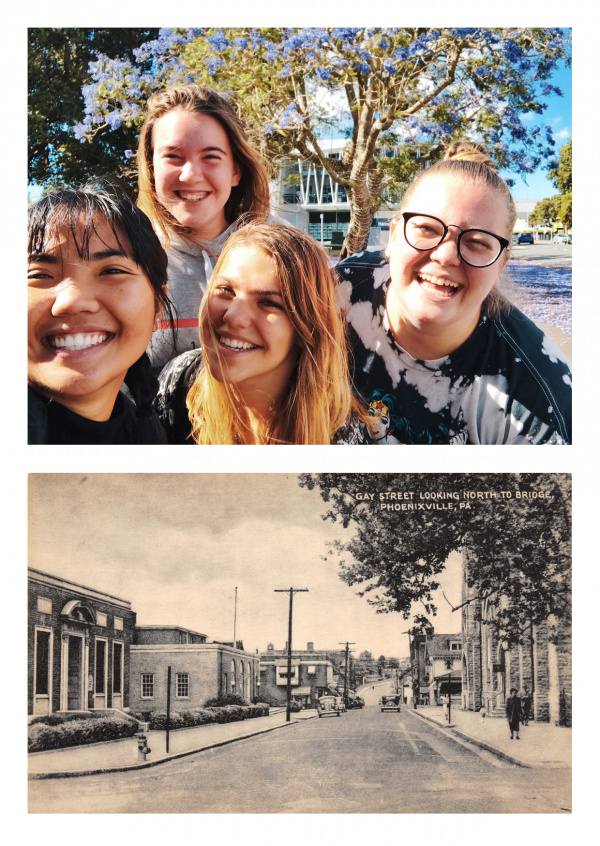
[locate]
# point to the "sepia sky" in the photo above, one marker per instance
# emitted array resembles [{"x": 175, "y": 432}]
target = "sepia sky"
[{"x": 177, "y": 546}]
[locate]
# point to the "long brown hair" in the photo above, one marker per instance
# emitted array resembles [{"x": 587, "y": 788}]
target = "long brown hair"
[
  {"x": 319, "y": 399},
  {"x": 250, "y": 197}
]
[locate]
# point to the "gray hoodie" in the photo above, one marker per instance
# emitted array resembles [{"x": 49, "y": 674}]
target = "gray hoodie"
[{"x": 189, "y": 270}]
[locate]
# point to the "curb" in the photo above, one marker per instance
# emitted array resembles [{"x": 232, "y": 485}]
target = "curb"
[
  {"x": 495, "y": 751},
  {"x": 146, "y": 764}
]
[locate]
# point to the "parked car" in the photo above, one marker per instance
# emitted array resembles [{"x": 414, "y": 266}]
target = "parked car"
[
  {"x": 391, "y": 703},
  {"x": 328, "y": 706},
  {"x": 561, "y": 238},
  {"x": 356, "y": 702},
  {"x": 525, "y": 238}
]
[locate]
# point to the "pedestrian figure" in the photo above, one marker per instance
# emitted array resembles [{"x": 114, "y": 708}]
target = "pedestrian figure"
[
  {"x": 525, "y": 706},
  {"x": 513, "y": 713}
]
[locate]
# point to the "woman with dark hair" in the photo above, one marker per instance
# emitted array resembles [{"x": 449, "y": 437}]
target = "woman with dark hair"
[
  {"x": 430, "y": 331},
  {"x": 96, "y": 288},
  {"x": 197, "y": 176}
]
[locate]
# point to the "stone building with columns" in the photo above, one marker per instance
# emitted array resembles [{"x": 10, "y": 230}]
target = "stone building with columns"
[
  {"x": 539, "y": 667},
  {"x": 78, "y": 647}
]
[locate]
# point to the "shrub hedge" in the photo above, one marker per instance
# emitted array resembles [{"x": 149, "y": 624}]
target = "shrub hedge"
[
  {"x": 58, "y": 731},
  {"x": 77, "y": 732},
  {"x": 203, "y": 716}
]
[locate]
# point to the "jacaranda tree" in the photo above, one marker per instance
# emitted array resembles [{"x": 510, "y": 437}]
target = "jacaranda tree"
[
  {"x": 412, "y": 89},
  {"x": 514, "y": 529}
]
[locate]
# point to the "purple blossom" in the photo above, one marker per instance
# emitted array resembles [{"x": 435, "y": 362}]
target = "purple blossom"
[
  {"x": 256, "y": 39},
  {"x": 362, "y": 67},
  {"x": 323, "y": 74},
  {"x": 344, "y": 34},
  {"x": 389, "y": 67},
  {"x": 218, "y": 41},
  {"x": 213, "y": 63},
  {"x": 271, "y": 53}
]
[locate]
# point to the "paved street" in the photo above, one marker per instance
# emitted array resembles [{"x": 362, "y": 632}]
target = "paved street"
[
  {"x": 361, "y": 762},
  {"x": 543, "y": 252}
]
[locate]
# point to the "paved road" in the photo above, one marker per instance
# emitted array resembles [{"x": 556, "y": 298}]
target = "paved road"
[
  {"x": 361, "y": 762},
  {"x": 555, "y": 255}
]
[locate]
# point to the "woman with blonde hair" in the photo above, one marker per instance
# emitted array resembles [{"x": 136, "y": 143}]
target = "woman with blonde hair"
[
  {"x": 273, "y": 365},
  {"x": 455, "y": 362},
  {"x": 197, "y": 175}
]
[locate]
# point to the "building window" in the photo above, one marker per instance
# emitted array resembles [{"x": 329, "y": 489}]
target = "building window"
[
  {"x": 311, "y": 670},
  {"x": 182, "y": 685},
  {"x": 119, "y": 624},
  {"x": 117, "y": 667},
  {"x": 101, "y": 619},
  {"x": 100, "y": 666},
  {"x": 184, "y": 637},
  {"x": 455, "y": 647},
  {"x": 42, "y": 663},
  {"x": 147, "y": 685},
  {"x": 44, "y": 606}
]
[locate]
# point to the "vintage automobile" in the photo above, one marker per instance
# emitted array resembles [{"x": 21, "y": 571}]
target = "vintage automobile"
[
  {"x": 328, "y": 706},
  {"x": 355, "y": 702},
  {"x": 390, "y": 703}
]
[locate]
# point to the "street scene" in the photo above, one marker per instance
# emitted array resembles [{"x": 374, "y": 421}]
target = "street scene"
[
  {"x": 136, "y": 686},
  {"x": 366, "y": 762}
]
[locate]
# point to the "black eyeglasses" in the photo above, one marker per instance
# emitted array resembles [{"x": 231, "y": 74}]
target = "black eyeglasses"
[{"x": 475, "y": 246}]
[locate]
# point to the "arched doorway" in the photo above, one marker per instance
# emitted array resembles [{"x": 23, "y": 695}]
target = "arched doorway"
[{"x": 75, "y": 646}]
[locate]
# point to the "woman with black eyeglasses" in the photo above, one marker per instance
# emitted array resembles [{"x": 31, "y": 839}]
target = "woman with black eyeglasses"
[{"x": 453, "y": 361}]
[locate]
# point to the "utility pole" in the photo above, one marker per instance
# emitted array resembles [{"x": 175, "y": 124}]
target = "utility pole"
[
  {"x": 348, "y": 643},
  {"x": 291, "y": 592}
]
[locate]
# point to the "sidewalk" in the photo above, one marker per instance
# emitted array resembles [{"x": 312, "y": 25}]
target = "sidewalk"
[
  {"x": 118, "y": 755},
  {"x": 541, "y": 744}
]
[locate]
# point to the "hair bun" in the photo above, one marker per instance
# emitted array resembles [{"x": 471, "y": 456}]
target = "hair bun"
[{"x": 469, "y": 151}]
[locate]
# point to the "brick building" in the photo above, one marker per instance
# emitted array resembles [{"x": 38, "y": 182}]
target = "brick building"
[
  {"x": 312, "y": 675},
  {"x": 199, "y": 670},
  {"x": 78, "y": 646},
  {"x": 539, "y": 667}
]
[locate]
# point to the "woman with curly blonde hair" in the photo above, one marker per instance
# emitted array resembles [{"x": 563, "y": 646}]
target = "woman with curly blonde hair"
[
  {"x": 197, "y": 174},
  {"x": 273, "y": 366}
]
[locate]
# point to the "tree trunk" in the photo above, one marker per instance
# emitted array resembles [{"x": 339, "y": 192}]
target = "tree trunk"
[{"x": 362, "y": 212}]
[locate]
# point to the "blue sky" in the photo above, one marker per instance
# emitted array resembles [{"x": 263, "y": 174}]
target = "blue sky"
[{"x": 558, "y": 116}]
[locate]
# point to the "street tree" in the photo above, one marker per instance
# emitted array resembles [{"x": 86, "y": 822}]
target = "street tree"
[
  {"x": 410, "y": 90},
  {"x": 546, "y": 211},
  {"x": 562, "y": 176},
  {"x": 514, "y": 530},
  {"x": 58, "y": 60}
]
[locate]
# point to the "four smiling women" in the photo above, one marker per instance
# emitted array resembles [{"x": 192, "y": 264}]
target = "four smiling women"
[{"x": 437, "y": 354}]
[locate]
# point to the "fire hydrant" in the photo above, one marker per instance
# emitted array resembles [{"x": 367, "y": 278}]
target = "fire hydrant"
[{"x": 143, "y": 748}]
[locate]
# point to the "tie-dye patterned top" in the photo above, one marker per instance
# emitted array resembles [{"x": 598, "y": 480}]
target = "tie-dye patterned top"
[{"x": 507, "y": 384}]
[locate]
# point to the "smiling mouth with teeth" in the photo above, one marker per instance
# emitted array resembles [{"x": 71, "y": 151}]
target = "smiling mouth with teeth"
[
  {"x": 233, "y": 344},
  {"x": 78, "y": 341},
  {"x": 192, "y": 197},
  {"x": 441, "y": 286}
]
